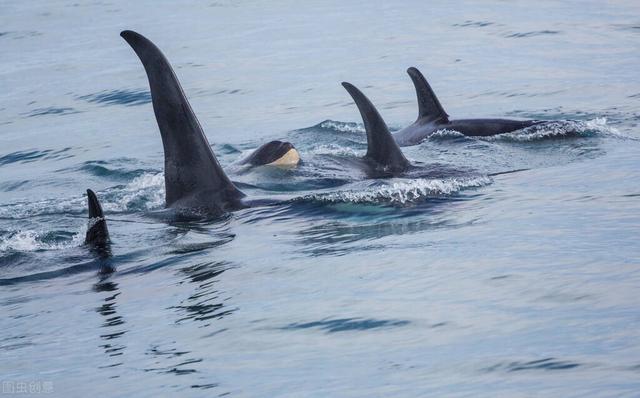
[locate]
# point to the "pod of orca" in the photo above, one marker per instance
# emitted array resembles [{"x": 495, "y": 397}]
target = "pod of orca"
[{"x": 195, "y": 183}]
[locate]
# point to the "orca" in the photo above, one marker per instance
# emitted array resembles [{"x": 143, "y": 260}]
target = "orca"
[
  {"x": 195, "y": 183},
  {"x": 97, "y": 236},
  {"x": 384, "y": 156},
  {"x": 383, "y": 153},
  {"x": 274, "y": 153},
  {"x": 432, "y": 117}
]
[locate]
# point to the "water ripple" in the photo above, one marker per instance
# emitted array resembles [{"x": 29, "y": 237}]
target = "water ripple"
[
  {"x": 519, "y": 35},
  {"x": 347, "y": 324},
  {"x": 16, "y": 35},
  {"x": 119, "y": 97},
  {"x": 474, "y": 24},
  {"x": 101, "y": 168},
  {"x": 33, "y": 155},
  {"x": 205, "y": 303},
  {"x": 13, "y": 185},
  {"x": 539, "y": 364},
  {"x": 52, "y": 110}
]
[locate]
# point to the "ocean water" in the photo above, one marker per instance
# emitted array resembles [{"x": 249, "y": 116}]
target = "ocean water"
[{"x": 518, "y": 275}]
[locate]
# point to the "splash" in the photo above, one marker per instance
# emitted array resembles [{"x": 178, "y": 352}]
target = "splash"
[
  {"x": 342, "y": 126},
  {"x": 337, "y": 150},
  {"x": 338, "y": 127},
  {"x": 558, "y": 129},
  {"x": 42, "y": 207},
  {"x": 29, "y": 241},
  {"x": 145, "y": 192},
  {"x": 445, "y": 134},
  {"x": 548, "y": 130},
  {"x": 401, "y": 192}
]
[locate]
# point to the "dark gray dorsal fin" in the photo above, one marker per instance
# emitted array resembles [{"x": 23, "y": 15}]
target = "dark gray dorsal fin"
[
  {"x": 428, "y": 105},
  {"x": 193, "y": 176},
  {"x": 381, "y": 146},
  {"x": 97, "y": 232}
]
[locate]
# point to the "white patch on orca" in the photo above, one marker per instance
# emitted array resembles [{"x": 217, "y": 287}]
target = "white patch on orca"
[{"x": 291, "y": 158}]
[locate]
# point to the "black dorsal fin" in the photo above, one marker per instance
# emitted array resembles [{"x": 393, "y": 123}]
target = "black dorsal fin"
[
  {"x": 429, "y": 107},
  {"x": 381, "y": 146},
  {"x": 193, "y": 176},
  {"x": 97, "y": 232}
]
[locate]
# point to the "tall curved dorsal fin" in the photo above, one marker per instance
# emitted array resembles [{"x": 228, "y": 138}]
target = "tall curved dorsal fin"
[
  {"x": 381, "y": 146},
  {"x": 193, "y": 176},
  {"x": 97, "y": 232},
  {"x": 428, "y": 105}
]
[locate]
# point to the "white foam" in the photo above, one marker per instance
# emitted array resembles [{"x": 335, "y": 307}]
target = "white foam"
[
  {"x": 558, "y": 129},
  {"x": 145, "y": 192},
  {"x": 445, "y": 133},
  {"x": 47, "y": 206},
  {"x": 28, "y": 241},
  {"x": 332, "y": 149},
  {"x": 403, "y": 191},
  {"x": 147, "y": 189},
  {"x": 342, "y": 126},
  {"x": 21, "y": 241}
]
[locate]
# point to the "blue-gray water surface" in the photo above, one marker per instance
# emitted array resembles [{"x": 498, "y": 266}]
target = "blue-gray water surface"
[{"x": 519, "y": 284}]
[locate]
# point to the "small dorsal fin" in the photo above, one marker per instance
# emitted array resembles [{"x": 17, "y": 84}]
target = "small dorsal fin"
[
  {"x": 97, "y": 232},
  {"x": 193, "y": 176},
  {"x": 428, "y": 105},
  {"x": 381, "y": 146}
]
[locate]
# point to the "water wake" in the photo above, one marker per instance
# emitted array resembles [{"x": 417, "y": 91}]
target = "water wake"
[
  {"x": 145, "y": 192},
  {"x": 400, "y": 191},
  {"x": 558, "y": 129},
  {"x": 30, "y": 240}
]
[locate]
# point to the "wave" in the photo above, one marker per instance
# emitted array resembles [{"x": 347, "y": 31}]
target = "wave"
[
  {"x": 558, "y": 129},
  {"x": 336, "y": 127},
  {"x": 445, "y": 134},
  {"x": 102, "y": 169},
  {"x": 34, "y": 155},
  {"x": 343, "y": 127},
  {"x": 30, "y": 240},
  {"x": 334, "y": 149},
  {"x": 546, "y": 130},
  {"x": 400, "y": 192},
  {"x": 145, "y": 192}
]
